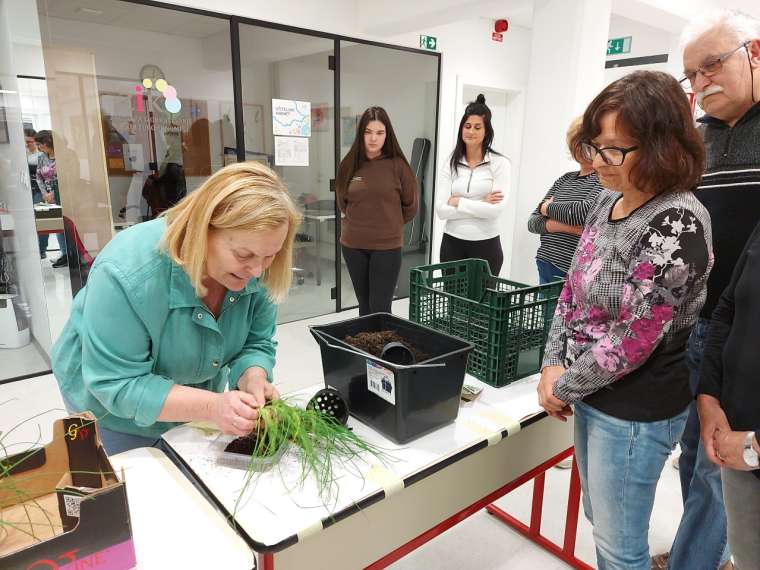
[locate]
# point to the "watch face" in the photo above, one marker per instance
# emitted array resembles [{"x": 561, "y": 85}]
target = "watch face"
[{"x": 750, "y": 455}]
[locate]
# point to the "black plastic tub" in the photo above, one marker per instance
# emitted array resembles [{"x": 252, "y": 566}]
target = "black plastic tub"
[{"x": 401, "y": 402}]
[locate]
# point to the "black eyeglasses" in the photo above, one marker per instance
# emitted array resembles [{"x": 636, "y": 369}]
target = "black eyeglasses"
[
  {"x": 611, "y": 155},
  {"x": 711, "y": 66}
]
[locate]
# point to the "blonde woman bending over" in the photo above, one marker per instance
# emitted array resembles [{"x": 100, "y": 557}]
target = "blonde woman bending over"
[{"x": 179, "y": 308}]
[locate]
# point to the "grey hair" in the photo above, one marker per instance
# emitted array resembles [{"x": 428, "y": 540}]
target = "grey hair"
[{"x": 743, "y": 26}]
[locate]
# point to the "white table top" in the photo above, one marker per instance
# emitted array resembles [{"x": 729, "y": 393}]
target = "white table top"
[
  {"x": 277, "y": 512},
  {"x": 173, "y": 525}
]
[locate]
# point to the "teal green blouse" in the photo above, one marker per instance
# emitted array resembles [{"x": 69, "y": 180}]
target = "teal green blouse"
[{"x": 137, "y": 328}]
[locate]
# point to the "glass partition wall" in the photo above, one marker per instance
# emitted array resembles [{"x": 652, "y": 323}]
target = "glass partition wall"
[{"x": 146, "y": 100}]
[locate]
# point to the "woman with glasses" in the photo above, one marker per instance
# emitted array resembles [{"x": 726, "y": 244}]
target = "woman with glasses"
[
  {"x": 560, "y": 216},
  {"x": 635, "y": 288}
]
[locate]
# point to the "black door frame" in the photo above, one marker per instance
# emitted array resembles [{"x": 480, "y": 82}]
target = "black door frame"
[{"x": 234, "y": 22}]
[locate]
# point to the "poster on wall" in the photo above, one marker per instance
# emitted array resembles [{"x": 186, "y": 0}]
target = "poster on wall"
[
  {"x": 291, "y": 151},
  {"x": 291, "y": 118}
]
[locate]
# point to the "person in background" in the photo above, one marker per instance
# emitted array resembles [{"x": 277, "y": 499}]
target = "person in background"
[
  {"x": 634, "y": 291},
  {"x": 377, "y": 194},
  {"x": 32, "y": 158},
  {"x": 721, "y": 62},
  {"x": 180, "y": 308},
  {"x": 472, "y": 197},
  {"x": 47, "y": 180},
  {"x": 729, "y": 403},
  {"x": 560, "y": 216}
]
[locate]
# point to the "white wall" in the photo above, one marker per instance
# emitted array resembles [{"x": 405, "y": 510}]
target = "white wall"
[
  {"x": 471, "y": 57},
  {"x": 559, "y": 89},
  {"x": 646, "y": 41}
]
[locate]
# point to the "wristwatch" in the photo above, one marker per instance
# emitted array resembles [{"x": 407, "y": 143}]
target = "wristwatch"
[{"x": 751, "y": 457}]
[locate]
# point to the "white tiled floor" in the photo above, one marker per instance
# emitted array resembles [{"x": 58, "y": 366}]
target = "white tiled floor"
[{"x": 480, "y": 541}]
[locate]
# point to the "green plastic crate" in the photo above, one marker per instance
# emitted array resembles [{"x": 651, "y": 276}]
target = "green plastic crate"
[{"x": 507, "y": 322}]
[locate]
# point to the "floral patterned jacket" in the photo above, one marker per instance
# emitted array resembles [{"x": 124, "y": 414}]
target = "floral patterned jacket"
[
  {"x": 47, "y": 175},
  {"x": 635, "y": 288}
]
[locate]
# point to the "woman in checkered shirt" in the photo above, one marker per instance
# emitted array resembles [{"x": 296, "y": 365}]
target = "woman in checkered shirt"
[{"x": 634, "y": 290}]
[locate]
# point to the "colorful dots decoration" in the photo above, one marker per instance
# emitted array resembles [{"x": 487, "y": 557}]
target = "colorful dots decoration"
[
  {"x": 147, "y": 83},
  {"x": 161, "y": 85},
  {"x": 139, "y": 98},
  {"x": 170, "y": 92},
  {"x": 173, "y": 105}
]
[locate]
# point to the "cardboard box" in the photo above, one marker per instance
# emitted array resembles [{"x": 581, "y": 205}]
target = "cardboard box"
[{"x": 63, "y": 507}]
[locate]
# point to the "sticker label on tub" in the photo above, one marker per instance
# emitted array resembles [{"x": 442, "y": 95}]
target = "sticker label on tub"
[{"x": 381, "y": 381}]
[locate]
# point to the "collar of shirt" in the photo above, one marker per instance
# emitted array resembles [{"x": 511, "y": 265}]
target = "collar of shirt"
[
  {"x": 486, "y": 160},
  {"x": 182, "y": 293},
  {"x": 752, "y": 112}
]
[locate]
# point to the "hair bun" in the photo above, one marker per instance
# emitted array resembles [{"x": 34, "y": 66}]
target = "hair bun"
[{"x": 481, "y": 99}]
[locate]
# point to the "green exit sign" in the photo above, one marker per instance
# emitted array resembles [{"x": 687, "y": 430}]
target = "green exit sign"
[
  {"x": 428, "y": 42},
  {"x": 616, "y": 46}
]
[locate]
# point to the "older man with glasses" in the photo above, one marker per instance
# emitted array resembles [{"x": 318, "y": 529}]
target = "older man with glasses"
[{"x": 722, "y": 65}]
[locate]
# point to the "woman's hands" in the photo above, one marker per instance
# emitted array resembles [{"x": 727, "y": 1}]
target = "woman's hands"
[
  {"x": 555, "y": 407},
  {"x": 543, "y": 208},
  {"x": 494, "y": 197},
  {"x": 254, "y": 381},
  {"x": 491, "y": 198},
  {"x": 237, "y": 410}
]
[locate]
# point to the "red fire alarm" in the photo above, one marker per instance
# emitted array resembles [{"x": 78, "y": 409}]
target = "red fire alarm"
[{"x": 501, "y": 26}]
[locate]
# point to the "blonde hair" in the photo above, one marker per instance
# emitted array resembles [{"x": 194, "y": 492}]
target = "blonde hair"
[
  {"x": 573, "y": 138},
  {"x": 243, "y": 196}
]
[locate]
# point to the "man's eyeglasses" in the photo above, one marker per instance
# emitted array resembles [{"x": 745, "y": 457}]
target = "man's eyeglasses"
[
  {"x": 611, "y": 155},
  {"x": 711, "y": 66}
]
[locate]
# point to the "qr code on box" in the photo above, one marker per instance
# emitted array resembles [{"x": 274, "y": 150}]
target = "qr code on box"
[{"x": 72, "y": 504}]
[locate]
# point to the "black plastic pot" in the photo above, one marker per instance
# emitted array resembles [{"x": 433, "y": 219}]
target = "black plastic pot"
[{"x": 402, "y": 402}]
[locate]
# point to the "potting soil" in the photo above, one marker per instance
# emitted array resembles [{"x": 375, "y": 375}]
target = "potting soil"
[{"x": 374, "y": 342}]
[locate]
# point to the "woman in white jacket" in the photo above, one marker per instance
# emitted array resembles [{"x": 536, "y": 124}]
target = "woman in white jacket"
[{"x": 472, "y": 197}]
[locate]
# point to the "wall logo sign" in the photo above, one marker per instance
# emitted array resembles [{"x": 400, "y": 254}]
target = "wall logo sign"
[{"x": 171, "y": 102}]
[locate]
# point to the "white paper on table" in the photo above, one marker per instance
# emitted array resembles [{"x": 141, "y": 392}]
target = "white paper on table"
[{"x": 291, "y": 151}]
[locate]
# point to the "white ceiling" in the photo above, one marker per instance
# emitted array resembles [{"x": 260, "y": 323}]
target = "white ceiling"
[{"x": 133, "y": 16}]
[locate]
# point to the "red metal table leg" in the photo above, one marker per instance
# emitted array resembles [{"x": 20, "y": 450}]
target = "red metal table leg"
[
  {"x": 266, "y": 561},
  {"x": 573, "y": 508},
  {"x": 486, "y": 503},
  {"x": 567, "y": 552}
]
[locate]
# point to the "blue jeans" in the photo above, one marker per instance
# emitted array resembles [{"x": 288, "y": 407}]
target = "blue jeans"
[
  {"x": 548, "y": 272},
  {"x": 701, "y": 541},
  {"x": 620, "y": 462},
  {"x": 42, "y": 239}
]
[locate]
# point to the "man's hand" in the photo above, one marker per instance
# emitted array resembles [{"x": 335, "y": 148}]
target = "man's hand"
[
  {"x": 544, "y": 207},
  {"x": 729, "y": 448},
  {"x": 712, "y": 418},
  {"x": 555, "y": 407},
  {"x": 254, "y": 381},
  {"x": 493, "y": 197},
  {"x": 454, "y": 201}
]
